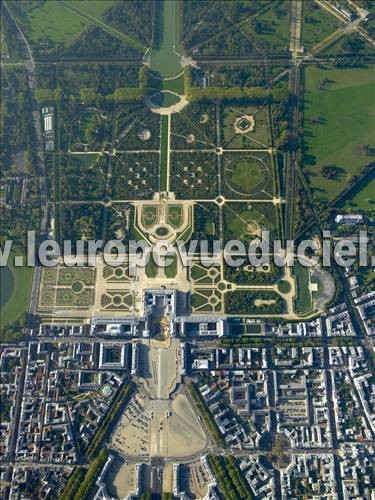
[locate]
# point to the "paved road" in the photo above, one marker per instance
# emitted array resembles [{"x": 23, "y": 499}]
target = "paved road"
[{"x": 295, "y": 30}]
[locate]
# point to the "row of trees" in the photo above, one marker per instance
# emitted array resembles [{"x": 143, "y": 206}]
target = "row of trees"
[
  {"x": 231, "y": 481},
  {"x": 80, "y": 484},
  {"x": 256, "y": 94},
  {"x": 118, "y": 403},
  {"x": 90, "y": 95},
  {"x": 96, "y": 94},
  {"x": 257, "y": 342},
  {"x": 230, "y": 75},
  {"x": 12, "y": 44},
  {"x": 205, "y": 414}
]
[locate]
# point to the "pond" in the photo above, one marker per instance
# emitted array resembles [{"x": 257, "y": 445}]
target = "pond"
[
  {"x": 165, "y": 54},
  {"x": 165, "y": 99}
]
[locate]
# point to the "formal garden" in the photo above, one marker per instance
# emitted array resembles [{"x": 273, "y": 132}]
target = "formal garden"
[
  {"x": 247, "y": 175},
  {"x": 67, "y": 287},
  {"x": 134, "y": 175},
  {"x": 194, "y": 127},
  {"x": 256, "y": 135},
  {"x": 194, "y": 175},
  {"x": 246, "y": 221}
]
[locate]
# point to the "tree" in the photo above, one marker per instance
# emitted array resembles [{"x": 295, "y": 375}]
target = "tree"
[{"x": 329, "y": 171}]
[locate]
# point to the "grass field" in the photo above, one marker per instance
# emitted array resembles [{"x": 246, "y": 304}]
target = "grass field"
[
  {"x": 317, "y": 24},
  {"x": 349, "y": 44},
  {"x": 303, "y": 302},
  {"x": 165, "y": 60},
  {"x": 164, "y": 152},
  {"x": 259, "y": 137},
  {"x": 246, "y": 175},
  {"x": 151, "y": 268},
  {"x": 6, "y": 284},
  {"x": 52, "y": 21},
  {"x": 175, "y": 215},
  {"x": 171, "y": 270},
  {"x": 18, "y": 298},
  {"x": 245, "y": 224},
  {"x": 95, "y": 8},
  {"x": 362, "y": 198},
  {"x": 92, "y": 14},
  {"x": 338, "y": 123},
  {"x": 270, "y": 30}
]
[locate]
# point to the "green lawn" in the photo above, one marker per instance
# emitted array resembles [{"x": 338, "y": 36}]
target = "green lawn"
[
  {"x": 303, "y": 302},
  {"x": 165, "y": 58},
  {"x": 245, "y": 224},
  {"x": 175, "y": 215},
  {"x": 149, "y": 215},
  {"x": 171, "y": 270},
  {"x": 18, "y": 298},
  {"x": 52, "y": 21},
  {"x": 363, "y": 198},
  {"x": 151, "y": 268},
  {"x": 246, "y": 175},
  {"x": 338, "y": 122},
  {"x": 164, "y": 152},
  {"x": 349, "y": 44},
  {"x": 270, "y": 30},
  {"x": 6, "y": 284},
  {"x": 317, "y": 24},
  {"x": 95, "y": 8},
  {"x": 240, "y": 222},
  {"x": 92, "y": 15},
  {"x": 259, "y": 137}
]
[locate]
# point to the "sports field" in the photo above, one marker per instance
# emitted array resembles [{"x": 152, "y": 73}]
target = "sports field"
[{"x": 338, "y": 125}]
